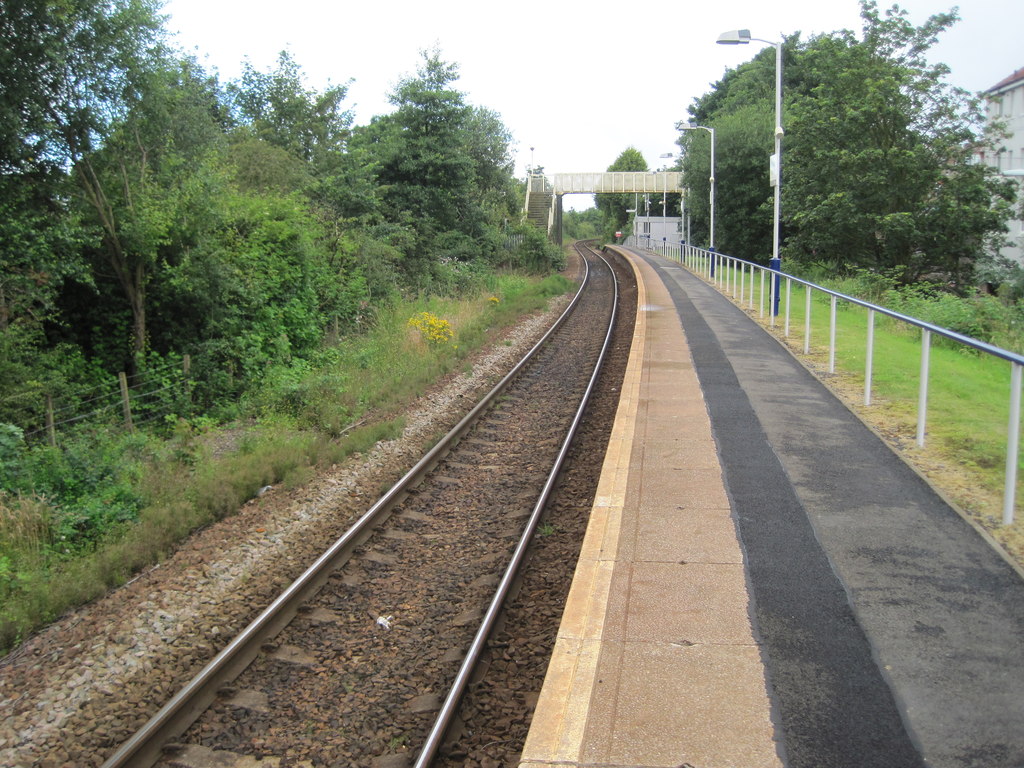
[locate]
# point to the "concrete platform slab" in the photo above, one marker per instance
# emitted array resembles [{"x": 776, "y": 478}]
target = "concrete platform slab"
[{"x": 656, "y": 662}]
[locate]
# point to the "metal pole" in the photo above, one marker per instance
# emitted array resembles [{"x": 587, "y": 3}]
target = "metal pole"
[
  {"x": 807, "y": 319},
  {"x": 922, "y": 394},
  {"x": 1012, "y": 445},
  {"x": 712, "y": 235},
  {"x": 776, "y": 259},
  {"x": 760, "y": 295},
  {"x": 789, "y": 303},
  {"x": 832, "y": 338},
  {"x": 869, "y": 363}
]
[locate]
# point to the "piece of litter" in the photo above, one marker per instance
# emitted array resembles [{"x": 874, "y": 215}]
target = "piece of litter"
[
  {"x": 385, "y": 621},
  {"x": 264, "y": 489}
]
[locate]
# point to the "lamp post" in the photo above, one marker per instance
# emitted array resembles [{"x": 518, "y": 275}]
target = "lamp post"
[
  {"x": 694, "y": 127},
  {"x": 742, "y": 37}
]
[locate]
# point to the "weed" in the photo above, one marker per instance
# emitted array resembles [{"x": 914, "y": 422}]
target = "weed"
[
  {"x": 79, "y": 519},
  {"x": 397, "y": 742},
  {"x": 434, "y": 329}
]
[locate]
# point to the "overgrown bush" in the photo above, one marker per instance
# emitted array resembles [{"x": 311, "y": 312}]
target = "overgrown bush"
[
  {"x": 535, "y": 254},
  {"x": 998, "y": 320}
]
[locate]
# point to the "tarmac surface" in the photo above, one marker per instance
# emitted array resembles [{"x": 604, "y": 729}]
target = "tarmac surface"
[{"x": 823, "y": 607}]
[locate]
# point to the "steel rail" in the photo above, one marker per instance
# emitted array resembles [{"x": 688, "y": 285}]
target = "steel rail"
[
  {"x": 476, "y": 648},
  {"x": 146, "y": 746}
]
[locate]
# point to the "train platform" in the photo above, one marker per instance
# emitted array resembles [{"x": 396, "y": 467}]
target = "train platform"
[{"x": 764, "y": 582}]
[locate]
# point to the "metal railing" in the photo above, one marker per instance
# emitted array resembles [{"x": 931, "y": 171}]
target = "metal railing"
[{"x": 742, "y": 279}]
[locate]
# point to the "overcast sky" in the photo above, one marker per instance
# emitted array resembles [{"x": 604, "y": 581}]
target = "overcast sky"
[{"x": 576, "y": 84}]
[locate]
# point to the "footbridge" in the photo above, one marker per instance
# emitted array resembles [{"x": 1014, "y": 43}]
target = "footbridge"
[{"x": 544, "y": 196}]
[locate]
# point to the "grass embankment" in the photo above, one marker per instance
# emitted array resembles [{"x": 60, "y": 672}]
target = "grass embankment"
[
  {"x": 111, "y": 504},
  {"x": 968, "y": 392}
]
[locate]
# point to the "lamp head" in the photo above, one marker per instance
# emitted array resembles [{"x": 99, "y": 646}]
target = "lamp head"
[{"x": 734, "y": 37}]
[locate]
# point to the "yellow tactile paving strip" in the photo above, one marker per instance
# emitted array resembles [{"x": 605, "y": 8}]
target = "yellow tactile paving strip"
[{"x": 655, "y": 663}]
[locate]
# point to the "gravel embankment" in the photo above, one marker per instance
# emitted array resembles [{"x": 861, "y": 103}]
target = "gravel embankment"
[{"x": 73, "y": 692}]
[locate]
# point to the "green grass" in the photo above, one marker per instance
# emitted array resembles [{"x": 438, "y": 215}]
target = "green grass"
[
  {"x": 306, "y": 414},
  {"x": 968, "y": 397}
]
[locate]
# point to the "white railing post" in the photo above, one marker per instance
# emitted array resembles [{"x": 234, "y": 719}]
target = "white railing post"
[
  {"x": 832, "y": 339},
  {"x": 1012, "y": 445},
  {"x": 870, "y": 355},
  {"x": 789, "y": 296},
  {"x": 760, "y": 300},
  {"x": 807, "y": 319},
  {"x": 922, "y": 392}
]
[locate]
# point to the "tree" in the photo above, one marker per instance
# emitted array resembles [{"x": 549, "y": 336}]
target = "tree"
[
  {"x": 488, "y": 143},
  {"x": 614, "y": 207},
  {"x": 277, "y": 107},
  {"x": 582, "y": 225},
  {"x": 144, "y": 188},
  {"x": 743, "y": 204},
  {"x": 741, "y": 110},
  {"x": 879, "y": 172},
  {"x": 423, "y": 162},
  {"x": 70, "y": 68},
  {"x": 443, "y": 169}
]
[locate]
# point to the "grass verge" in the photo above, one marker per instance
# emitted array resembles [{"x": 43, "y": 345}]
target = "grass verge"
[{"x": 305, "y": 414}]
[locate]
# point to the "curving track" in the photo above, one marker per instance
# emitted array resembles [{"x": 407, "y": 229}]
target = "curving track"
[{"x": 366, "y": 665}]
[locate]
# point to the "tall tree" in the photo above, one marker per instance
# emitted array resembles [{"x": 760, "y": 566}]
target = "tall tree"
[
  {"x": 70, "y": 69},
  {"x": 743, "y": 202},
  {"x": 614, "y": 208},
  {"x": 423, "y": 162},
  {"x": 740, "y": 108},
  {"x": 277, "y": 107},
  {"x": 142, "y": 190},
  {"x": 442, "y": 166},
  {"x": 879, "y": 172}
]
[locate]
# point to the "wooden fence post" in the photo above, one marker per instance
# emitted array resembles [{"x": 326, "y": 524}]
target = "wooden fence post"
[
  {"x": 51, "y": 431},
  {"x": 123, "y": 379},
  {"x": 186, "y": 367}
]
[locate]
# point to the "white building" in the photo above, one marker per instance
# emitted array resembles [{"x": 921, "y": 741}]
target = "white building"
[
  {"x": 1006, "y": 104},
  {"x": 658, "y": 228}
]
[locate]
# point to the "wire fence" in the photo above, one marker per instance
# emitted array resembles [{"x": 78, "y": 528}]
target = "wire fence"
[{"x": 128, "y": 400}]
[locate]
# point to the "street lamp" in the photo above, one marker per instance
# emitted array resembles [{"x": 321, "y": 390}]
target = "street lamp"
[
  {"x": 694, "y": 127},
  {"x": 742, "y": 37}
]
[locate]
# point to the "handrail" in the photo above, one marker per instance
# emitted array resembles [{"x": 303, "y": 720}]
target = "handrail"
[{"x": 711, "y": 265}]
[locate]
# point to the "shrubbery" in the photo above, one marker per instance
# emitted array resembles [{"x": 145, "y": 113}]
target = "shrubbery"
[
  {"x": 80, "y": 517},
  {"x": 993, "y": 319}
]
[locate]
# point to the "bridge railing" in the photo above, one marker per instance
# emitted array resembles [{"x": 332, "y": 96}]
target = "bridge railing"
[{"x": 743, "y": 280}]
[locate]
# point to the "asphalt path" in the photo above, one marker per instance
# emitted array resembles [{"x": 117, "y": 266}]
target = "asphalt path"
[{"x": 892, "y": 631}]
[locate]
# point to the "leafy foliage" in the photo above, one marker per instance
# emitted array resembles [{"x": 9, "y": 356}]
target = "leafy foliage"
[
  {"x": 878, "y": 167},
  {"x": 277, "y": 108},
  {"x": 614, "y": 208},
  {"x": 582, "y": 225},
  {"x": 743, "y": 201},
  {"x": 881, "y": 173}
]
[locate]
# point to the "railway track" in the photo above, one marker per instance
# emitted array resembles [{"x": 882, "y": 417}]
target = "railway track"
[{"x": 364, "y": 659}]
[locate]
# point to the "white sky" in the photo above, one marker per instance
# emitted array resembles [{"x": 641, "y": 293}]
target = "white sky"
[{"x": 576, "y": 83}]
